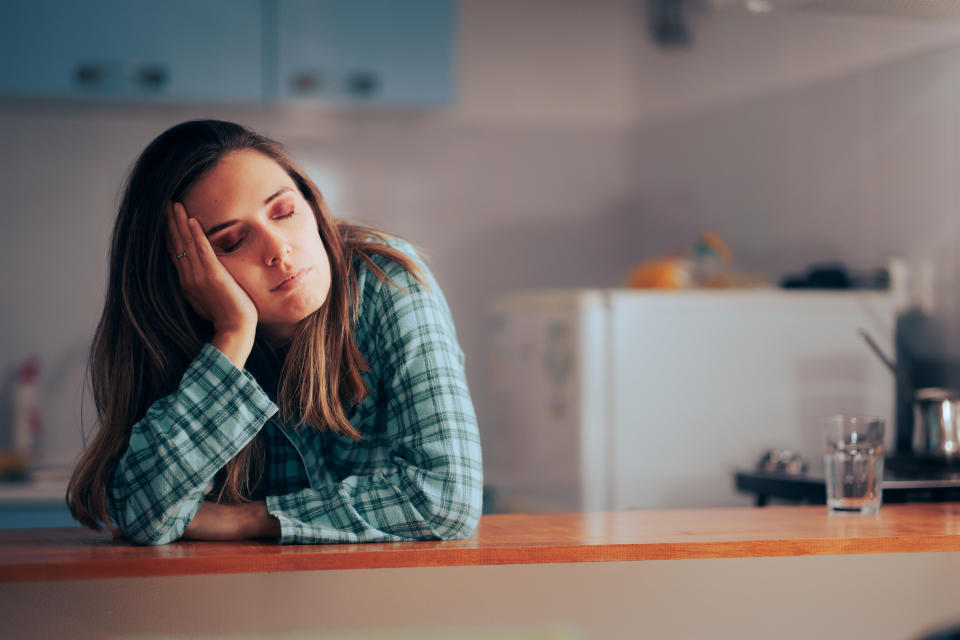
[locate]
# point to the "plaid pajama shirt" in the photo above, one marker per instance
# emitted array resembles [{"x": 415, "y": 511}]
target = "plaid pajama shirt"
[{"x": 416, "y": 474}]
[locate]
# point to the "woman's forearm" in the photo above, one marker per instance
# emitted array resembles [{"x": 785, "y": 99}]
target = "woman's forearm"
[
  {"x": 178, "y": 446},
  {"x": 236, "y": 345},
  {"x": 243, "y": 521}
]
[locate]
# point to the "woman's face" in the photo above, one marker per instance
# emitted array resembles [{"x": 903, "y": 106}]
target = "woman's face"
[{"x": 265, "y": 234}]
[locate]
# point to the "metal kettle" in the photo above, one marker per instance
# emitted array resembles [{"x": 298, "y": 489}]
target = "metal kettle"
[
  {"x": 936, "y": 423},
  {"x": 936, "y": 414}
]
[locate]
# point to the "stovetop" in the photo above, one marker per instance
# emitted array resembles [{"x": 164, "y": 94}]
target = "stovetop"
[
  {"x": 915, "y": 466},
  {"x": 903, "y": 481},
  {"x": 899, "y": 473}
]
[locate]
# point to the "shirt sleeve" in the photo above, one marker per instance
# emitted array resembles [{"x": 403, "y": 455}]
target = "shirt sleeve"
[
  {"x": 180, "y": 444},
  {"x": 434, "y": 488}
]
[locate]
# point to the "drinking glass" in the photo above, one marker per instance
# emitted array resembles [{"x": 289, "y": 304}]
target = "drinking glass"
[{"x": 853, "y": 462}]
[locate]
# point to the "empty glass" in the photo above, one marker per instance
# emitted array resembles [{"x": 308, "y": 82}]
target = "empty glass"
[{"x": 853, "y": 462}]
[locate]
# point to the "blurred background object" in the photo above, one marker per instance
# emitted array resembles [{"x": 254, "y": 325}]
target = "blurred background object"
[
  {"x": 836, "y": 275},
  {"x": 27, "y": 423},
  {"x": 660, "y": 395},
  {"x": 782, "y": 461},
  {"x": 708, "y": 263}
]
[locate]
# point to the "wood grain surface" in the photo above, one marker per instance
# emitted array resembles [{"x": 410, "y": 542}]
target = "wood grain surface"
[{"x": 76, "y": 553}]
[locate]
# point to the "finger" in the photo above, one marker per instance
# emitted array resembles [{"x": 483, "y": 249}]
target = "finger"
[
  {"x": 205, "y": 260},
  {"x": 182, "y": 236},
  {"x": 179, "y": 255},
  {"x": 174, "y": 244},
  {"x": 206, "y": 256},
  {"x": 187, "y": 254},
  {"x": 175, "y": 237}
]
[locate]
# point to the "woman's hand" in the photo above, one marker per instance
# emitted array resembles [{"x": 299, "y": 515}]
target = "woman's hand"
[
  {"x": 209, "y": 288},
  {"x": 214, "y": 521}
]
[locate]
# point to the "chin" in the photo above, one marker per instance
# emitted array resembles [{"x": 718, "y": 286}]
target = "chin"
[
  {"x": 293, "y": 309},
  {"x": 298, "y": 310}
]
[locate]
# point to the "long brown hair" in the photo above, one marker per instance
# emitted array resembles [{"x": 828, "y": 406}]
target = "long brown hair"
[{"x": 148, "y": 333}]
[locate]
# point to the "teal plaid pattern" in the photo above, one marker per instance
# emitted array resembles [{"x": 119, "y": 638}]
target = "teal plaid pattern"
[{"x": 416, "y": 474}]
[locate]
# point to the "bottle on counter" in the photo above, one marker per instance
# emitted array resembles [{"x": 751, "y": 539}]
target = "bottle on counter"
[{"x": 27, "y": 425}]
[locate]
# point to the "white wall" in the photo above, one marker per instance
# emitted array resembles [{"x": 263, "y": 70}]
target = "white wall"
[
  {"x": 858, "y": 168},
  {"x": 577, "y": 149}
]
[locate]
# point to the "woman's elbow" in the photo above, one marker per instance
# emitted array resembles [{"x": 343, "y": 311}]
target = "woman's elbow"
[
  {"x": 457, "y": 528},
  {"x": 448, "y": 498},
  {"x": 142, "y": 530},
  {"x": 460, "y": 520}
]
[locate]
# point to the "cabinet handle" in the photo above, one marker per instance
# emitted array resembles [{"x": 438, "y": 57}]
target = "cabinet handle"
[
  {"x": 307, "y": 82},
  {"x": 89, "y": 75},
  {"x": 362, "y": 84},
  {"x": 152, "y": 77}
]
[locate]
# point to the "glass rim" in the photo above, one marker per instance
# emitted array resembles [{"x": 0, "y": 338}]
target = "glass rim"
[{"x": 843, "y": 428}]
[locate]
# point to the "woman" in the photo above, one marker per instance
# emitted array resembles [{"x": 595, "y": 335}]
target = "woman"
[{"x": 264, "y": 370}]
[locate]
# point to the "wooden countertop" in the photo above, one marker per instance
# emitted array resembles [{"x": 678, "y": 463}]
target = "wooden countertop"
[{"x": 76, "y": 553}]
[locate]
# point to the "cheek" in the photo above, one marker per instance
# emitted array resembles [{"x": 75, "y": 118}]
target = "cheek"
[
  {"x": 318, "y": 256},
  {"x": 243, "y": 275},
  {"x": 322, "y": 266}
]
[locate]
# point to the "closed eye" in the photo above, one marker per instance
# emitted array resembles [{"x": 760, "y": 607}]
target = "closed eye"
[
  {"x": 225, "y": 248},
  {"x": 234, "y": 246}
]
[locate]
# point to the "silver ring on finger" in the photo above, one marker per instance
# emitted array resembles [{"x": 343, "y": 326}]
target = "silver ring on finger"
[{"x": 181, "y": 255}]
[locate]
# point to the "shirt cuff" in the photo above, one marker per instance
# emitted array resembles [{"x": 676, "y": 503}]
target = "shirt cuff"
[
  {"x": 213, "y": 372},
  {"x": 288, "y": 529}
]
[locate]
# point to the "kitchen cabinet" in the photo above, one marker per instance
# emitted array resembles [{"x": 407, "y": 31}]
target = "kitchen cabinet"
[
  {"x": 36, "y": 516},
  {"x": 322, "y": 52},
  {"x": 34, "y": 504},
  {"x": 171, "y": 51},
  {"x": 373, "y": 52}
]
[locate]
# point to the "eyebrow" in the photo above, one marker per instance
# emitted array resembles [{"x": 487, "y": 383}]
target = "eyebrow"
[{"x": 229, "y": 223}]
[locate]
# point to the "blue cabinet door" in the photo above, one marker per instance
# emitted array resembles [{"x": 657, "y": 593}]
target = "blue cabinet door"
[
  {"x": 352, "y": 52},
  {"x": 174, "y": 50}
]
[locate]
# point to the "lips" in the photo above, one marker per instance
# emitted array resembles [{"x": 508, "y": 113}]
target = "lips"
[{"x": 292, "y": 280}]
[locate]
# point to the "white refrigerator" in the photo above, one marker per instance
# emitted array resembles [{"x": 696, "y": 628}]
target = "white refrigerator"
[{"x": 627, "y": 399}]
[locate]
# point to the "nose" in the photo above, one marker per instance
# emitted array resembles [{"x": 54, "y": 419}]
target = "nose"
[{"x": 276, "y": 248}]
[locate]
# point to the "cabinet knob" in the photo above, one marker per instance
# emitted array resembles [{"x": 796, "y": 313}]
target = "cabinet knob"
[
  {"x": 362, "y": 84},
  {"x": 307, "y": 82},
  {"x": 89, "y": 75},
  {"x": 152, "y": 77}
]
